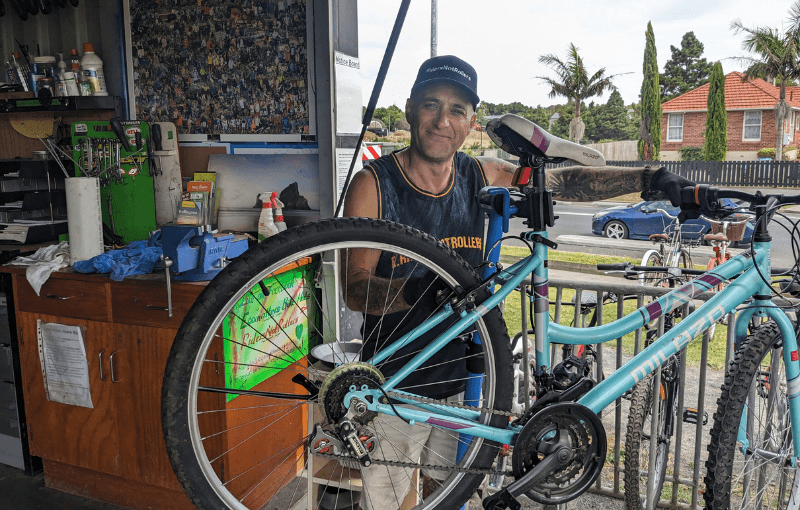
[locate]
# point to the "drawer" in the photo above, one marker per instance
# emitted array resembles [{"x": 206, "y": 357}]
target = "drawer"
[
  {"x": 146, "y": 305},
  {"x": 80, "y": 299}
]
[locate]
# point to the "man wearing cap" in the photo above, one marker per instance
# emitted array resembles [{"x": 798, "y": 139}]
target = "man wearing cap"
[{"x": 431, "y": 186}]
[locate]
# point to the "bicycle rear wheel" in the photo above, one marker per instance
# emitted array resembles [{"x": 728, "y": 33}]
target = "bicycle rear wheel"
[
  {"x": 252, "y": 328},
  {"x": 751, "y": 441}
]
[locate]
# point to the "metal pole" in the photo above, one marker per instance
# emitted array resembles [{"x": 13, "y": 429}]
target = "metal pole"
[{"x": 434, "y": 22}]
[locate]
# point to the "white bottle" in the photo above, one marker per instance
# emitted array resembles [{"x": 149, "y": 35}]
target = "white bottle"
[
  {"x": 266, "y": 224},
  {"x": 61, "y": 85},
  {"x": 277, "y": 209},
  {"x": 92, "y": 69}
]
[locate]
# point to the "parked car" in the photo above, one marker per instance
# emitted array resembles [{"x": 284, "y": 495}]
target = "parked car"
[{"x": 640, "y": 220}]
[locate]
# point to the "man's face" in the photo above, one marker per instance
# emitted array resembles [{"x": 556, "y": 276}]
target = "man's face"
[{"x": 441, "y": 117}]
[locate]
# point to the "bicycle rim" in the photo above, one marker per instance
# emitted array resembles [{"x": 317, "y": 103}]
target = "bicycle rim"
[
  {"x": 751, "y": 441},
  {"x": 638, "y": 481},
  {"x": 248, "y": 451}
]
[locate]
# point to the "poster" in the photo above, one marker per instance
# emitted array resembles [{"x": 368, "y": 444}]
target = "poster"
[
  {"x": 215, "y": 66},
  {"x": 343, "y": 159},
  {"x": 65, "y": 369},
  {"x": 348, "y": 94},
  {"x": 269, "y": 332}
]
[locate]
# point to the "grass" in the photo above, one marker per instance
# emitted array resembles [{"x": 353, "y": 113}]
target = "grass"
[{"x": 513, "y": 315}]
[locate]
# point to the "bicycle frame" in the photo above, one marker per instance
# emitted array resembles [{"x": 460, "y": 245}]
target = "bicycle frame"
[{"x": 748, "y": 284}]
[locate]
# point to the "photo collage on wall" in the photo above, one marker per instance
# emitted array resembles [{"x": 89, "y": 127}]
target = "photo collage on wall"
[{"x": 221, "y": 67}]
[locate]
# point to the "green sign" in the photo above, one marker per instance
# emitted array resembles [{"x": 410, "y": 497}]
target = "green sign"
[{"x": 265, "y": 334}]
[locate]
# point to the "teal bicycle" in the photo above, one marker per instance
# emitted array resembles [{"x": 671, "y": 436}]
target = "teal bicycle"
[{"x": 252, "y": 420}]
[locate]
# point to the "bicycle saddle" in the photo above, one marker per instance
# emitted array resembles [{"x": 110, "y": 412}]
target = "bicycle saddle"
[
  {"x": 519, "y": 136},
  {"x": 659, "y": 237}
]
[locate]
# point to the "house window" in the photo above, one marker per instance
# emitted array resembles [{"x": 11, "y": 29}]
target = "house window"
[
  {"x": 752, "y": 126},
  {"x": 675, "y": 127}
]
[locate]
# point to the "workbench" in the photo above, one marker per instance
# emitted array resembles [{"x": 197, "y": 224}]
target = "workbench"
[{"x": 114, "y": 452}]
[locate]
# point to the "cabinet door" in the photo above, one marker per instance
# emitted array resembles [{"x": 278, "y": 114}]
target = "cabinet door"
[
  {"x": 65, "y": 433},
  {"x": 141, "y": 355}
]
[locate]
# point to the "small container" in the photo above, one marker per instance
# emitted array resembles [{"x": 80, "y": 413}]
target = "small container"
[
  {"x": 39, "y": 155},
  {"x": 46, "y": 83},
  {"x": 71, "y": 83},
  {"x": 34, "y": 79},
  {"x": 74, "y": 61}
]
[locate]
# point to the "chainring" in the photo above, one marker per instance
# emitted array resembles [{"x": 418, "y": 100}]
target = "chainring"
[
  {"x": 338, "y": 384},
  {"x": 587, "y": 442}
]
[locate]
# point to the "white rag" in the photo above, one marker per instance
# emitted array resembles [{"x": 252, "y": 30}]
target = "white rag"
[{"x": 43, "y": 262}]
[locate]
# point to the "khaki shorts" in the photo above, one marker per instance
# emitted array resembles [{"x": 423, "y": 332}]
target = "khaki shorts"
[{"x": 385, "y": 487}]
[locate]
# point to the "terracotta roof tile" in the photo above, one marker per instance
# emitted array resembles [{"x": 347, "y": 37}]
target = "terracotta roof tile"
[{"x": 739, "y": 95}]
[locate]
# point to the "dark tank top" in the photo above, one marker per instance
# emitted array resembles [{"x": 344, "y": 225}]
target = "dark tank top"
[{"x": 453, "y": 217}]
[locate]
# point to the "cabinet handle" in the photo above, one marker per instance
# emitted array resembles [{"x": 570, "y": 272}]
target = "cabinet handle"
[
  {"x": 111, "y": 364},
  {"x": 154, "y": 307},
  {"x": 54, "y": 296},
  {"x": 100, "y": 358}
]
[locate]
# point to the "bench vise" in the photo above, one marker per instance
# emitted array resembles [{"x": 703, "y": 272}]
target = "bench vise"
[{"x": 195, "y": 253}]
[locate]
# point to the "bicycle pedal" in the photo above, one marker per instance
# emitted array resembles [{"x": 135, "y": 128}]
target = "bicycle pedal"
[{"x": 690, "y": 416}]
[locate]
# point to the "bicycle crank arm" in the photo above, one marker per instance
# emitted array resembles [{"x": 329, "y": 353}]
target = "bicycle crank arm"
[{"x": 507, "y": 498}]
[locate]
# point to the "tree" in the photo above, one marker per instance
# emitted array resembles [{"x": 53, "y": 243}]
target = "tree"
[
  {"x": 610, "y": 121},
  {"x": 776, "y": 58},
  {"x": 650, "y": 125},
  {"x": 716, "y": 133},
  {"x": 573, "y": 82},
  {"x": 685, "y": 71},
  {"x": 389, "y": 115}
]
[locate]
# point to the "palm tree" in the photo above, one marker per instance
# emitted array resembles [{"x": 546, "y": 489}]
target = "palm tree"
[
  {"x": 573, "y": 82},
  {"x": 776, "y": 58}
]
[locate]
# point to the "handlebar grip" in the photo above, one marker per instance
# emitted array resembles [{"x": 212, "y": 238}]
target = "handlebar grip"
[{"x": 612, "y": 267}]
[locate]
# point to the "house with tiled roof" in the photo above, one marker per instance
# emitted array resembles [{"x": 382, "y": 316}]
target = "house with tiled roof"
[{"x": 751, "y": 119}]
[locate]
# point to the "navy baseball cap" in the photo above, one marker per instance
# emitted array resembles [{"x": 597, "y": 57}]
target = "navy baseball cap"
[{"x": 448, "y": 69}]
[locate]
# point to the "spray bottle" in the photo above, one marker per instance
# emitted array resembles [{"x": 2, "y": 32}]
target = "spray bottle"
[
  {"x": 277, "y": 209},
  {"x": 266, "y": 225}
]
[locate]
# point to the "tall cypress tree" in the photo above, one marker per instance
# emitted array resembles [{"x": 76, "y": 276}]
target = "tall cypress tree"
[
  {"x": 650, "y": 126},
  {"x": 716, "y": 132}
]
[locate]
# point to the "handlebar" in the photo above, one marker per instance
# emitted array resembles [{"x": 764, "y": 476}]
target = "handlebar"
[{"x": 629, "y": 268}]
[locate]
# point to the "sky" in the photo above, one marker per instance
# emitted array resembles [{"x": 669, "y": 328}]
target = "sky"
[{"x": 503, "y": 40}]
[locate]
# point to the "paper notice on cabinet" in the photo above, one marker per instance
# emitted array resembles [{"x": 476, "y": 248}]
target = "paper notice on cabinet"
[{"x": 65, "y": 369}]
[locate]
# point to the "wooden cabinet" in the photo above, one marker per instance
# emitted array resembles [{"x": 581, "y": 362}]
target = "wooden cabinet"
[{"x": 115, "y": 451}]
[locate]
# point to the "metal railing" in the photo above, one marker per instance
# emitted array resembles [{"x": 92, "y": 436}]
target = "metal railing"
[{"x": 685, "y": 476}]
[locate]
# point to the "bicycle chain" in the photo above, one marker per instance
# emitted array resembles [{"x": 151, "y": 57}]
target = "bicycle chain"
[{"x": 412, "y": 465}]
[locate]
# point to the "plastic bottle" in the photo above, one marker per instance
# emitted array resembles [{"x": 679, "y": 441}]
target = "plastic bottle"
[
  {"x": 92, "y": 68},
  {"x": 71, "y": 83},
  {"x": 61, "y": 84},
  {"x": 74, "y": 61},
  {"x": 266, "y": 225},
  {"x": 84, "y": 85},
  {"x": 277, "y": 209}
]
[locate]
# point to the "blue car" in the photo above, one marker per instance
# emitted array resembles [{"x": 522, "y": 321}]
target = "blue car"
[{"x": 640, "y": 220}]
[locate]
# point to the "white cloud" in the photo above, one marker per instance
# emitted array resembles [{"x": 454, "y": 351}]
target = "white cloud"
[{"x": 503, "y": 39}]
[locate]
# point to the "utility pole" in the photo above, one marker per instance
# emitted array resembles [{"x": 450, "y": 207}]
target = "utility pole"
[{"x": 434, "y": 22}]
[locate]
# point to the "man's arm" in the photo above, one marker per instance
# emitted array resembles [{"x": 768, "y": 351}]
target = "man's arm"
[
  {"x": 574, "y": 183},
  {"x": 365, "y": 292}
]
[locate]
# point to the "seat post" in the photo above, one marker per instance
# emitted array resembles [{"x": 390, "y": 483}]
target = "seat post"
[{"x": 540, "y": 214}]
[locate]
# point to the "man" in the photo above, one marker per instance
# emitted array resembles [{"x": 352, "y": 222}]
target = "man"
[{"x": 431, "y": 186}]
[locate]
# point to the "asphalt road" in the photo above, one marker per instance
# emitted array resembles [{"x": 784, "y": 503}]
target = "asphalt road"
[{"x": 574, "y": 227}]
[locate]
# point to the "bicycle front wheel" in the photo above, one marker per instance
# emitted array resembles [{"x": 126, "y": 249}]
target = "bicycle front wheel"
[
  {"x": 238, "y": 428},
  {"x": 639, "y": 482},
  {"x": 651, "y": 258},
  {"x": 749, "y": 463}
]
